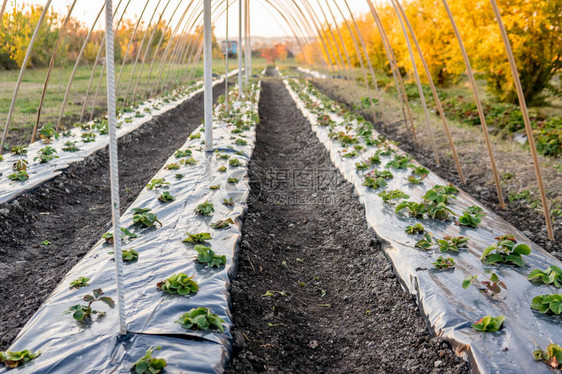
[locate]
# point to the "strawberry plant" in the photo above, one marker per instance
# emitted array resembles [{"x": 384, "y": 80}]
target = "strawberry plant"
[
  {"x": 19, "y": 176},
  {"x": 384, "y": 174},
  {"x": 79, "y": 282},
  {"x": 361, "y": 165},
  {"x": 419, "y": 170},
  {"x": 234, "y": 162},
  {"x": 222, "y": 169},
  {"x": 129, "y": 255},
  {"x": 223, "y": 156},
  {"x": 452, "y": 243},
  {"x": 196, "y": 135},
  {"x": 399, "y": 162},
  {"x": 325, "y": 120},
  {"x": 548, "y": 303},
  {"x": 228, "y": 202},
  {"x": 45, "y": 155},
  {"x": 426, "y": 242},
  {"x": 20, "y": 150},
  {"x": 148, "y": 364},
  {"x": 215, "y": 187},
  {"x": 179, "y": 176},
  {"x": 222, "y": 224},
  {"x": 505, "y": 251},
  {"x": 166, "y": 197},
  {"x": 84, "y": 312},
  {"x": 444, "y": 263},
  {"x": 413, "y": 180},
  {"x": 197, "y": 238},
  {"x": 416, "y": 210},
  {"x": 438, "y": 211},
  {"x": 13, "y": 359},
  {"x": 440, "y": 194},
  {"x": 375, "y": 159},
  {"x": 156, "y": 183},
  {"x": 489, "y": 323},
  {"x": 552, "y": 275},
  {"x": 70, "y": 147},
  {"x": 374, "y": 183},
  {"x": 232, "y": 180},
  {"x": 349, "y": 154},
  {"x": 201, "y": 318},
  {"x": 468, "y": 281},
  {"x": 184, "y": 153},
  {"x": 415, "y": 229},
  {"x": 180, "y": 284},
  {"x": 206, "y": 255},
  {"x": 172, "y": 166},
  {"x": 471, "y": 217},
  {"x": 387, "y": 196},
  {"x": 188, "y": 161},
  {"x": 108, "y": 236},
  {"x": 20, "y": 165},
  {"x": 88, "y": 137},
  {"x": 47, "y": 133},
  {"x": 552, "y": 357},
  {"x": 205, "y": 209},
  {"x": 142, "y": 216},
  {"x": 494, "y": 284}
]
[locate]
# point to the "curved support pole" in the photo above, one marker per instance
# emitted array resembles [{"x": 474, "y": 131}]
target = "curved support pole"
[
  {"x": 478, "y": 105},
  {"x": 337, "y": 47},
  {"x": 50, "y": 69},
  {"x": 435, "y": 95},
  {"x": 22, "y": 71},
  {"x": 418, "y": 82},
  {"x": 2, "y": 10},
  {"x": 226, "y": 63},
  {"x": 528, "y": 129}
]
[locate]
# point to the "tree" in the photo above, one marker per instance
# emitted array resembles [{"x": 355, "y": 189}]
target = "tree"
[{"x": 277, "y": 52}]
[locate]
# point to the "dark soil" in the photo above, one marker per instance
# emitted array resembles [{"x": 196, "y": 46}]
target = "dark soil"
[
  {"x": 335, "y": 304},
  {"x": 72, "y": 211},
  {"x": 530, "y": 221}
]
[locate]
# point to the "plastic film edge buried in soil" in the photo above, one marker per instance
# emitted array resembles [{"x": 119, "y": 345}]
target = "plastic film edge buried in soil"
[
  {"x": 449, "y": 309},
  {"x": 94, "y": 347},
  {"x": 96, "y": 138}
]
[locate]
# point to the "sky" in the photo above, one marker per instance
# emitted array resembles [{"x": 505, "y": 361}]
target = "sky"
[{"x": 263, "y": 19}]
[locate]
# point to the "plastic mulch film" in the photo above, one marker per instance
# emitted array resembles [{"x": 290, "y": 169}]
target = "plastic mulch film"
[
  {"x": 41, "y": 172},
  {"x": 449, "y": 309},
  {"x": 70, "y": 347}
]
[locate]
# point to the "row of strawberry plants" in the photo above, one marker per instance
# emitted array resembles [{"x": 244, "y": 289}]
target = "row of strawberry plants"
[
  {"x": 220, "y": 196},
  {"x": 378, "y": 161}
]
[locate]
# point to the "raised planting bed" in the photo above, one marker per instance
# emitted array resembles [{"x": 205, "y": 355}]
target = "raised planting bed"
[
  {"x": 180, "y": 239},
  {"x": 29, "y": 166},
  {"x": 461, "y": 260}
]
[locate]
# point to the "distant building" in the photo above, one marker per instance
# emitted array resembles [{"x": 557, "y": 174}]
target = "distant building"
[{"x": 232, "y": 47}]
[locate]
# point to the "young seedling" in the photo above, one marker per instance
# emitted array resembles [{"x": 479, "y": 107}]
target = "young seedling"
[
  {"x": 19, "y": 150},
  {"x": 179, "y": 176},
  {"x": 419, "y": 170},
  {"x": 47, "y": 133},
  {"x": 416, "y": 210},
  {"x": 83, "y": 313},
  {"x": 79, "y": 282},
  {"x": 548, "y": 304},
  {"x": 108, "y": 236},
  {"x": 222, "y": 224},
  {"x": 362, "y": 165},
  {"x": 232, "y": 180},
  {"x": 223, "y": 156},
  {"x": 156, "y": 183},
  {"x": 426, "y": 242},
  {"x": 413, "y": 180},
  {"x": 142, "y": 216},
  {"x": 205, "y": 209},
  {"x": 206, "y": 255},
  {"x": 166, "y": 197},
  {"x": 494, "y": 284},
  {"x": 202, "y": 319},
  {"x": 552, "y": 275},
  {"x": 374, "y": 183},
  {"x": 184, "y": 153},
  {"x": 20, "y": 165},
  {"x": 349, "y": 154},
  {"x": 13, "y": 359},
  {"x": 387, "y": 196},
  {"x": 188, "y": 161},
  {"x": 215, "y": 187},
  {"x": 552, "y": 357},
  {"x": 148, "y": 364},
  {"x": 180, "y": 284},
  {"x": 45, "y": 155},
  {"x": 19, "y": 176},
  {"x": 129, "y": 255},
  {"x": 196, "y": 135},
  {"x": 70, "y": 147},
  {"x": 88, "y": 137},
  {"x": 415, "y": 229},
  {"x": 197, "y": 238},
  {"x": 228, "y": 202},
  {"x": 399, "y": 162},
  {"x": 444, "y": 263},
  {"x": 489, "y": 323},
  {"x": 325, "y": 120},
  {"x": 452, "y": 243},
  {"x": 440, "y": 194},
  {"x": 172, "y": 166},
  {"x": 471, "y": 217},
  {"x": 375, "y": 159},
  {"x": 505, "y": 251},
  {"x": 234, "y": 162},
  {"x": 241, "y": 142},
  {"x": 222, "y": 169}
]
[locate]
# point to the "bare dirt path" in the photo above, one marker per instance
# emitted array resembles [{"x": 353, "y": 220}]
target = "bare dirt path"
[
  {"x": 315, "y": 292},
  {"x": 72, "y": 212}
]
